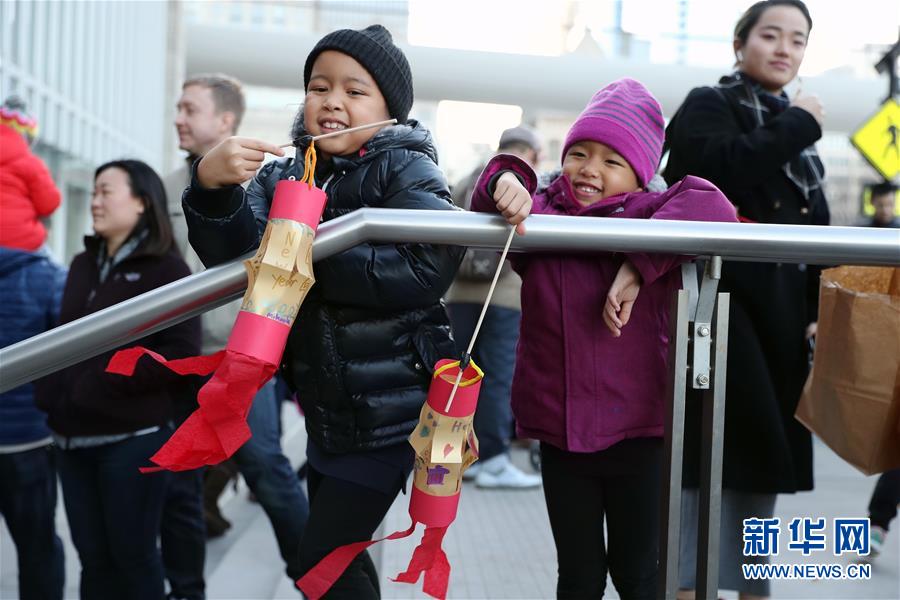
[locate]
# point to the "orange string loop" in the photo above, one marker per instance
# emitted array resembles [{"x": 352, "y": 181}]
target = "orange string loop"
[{"x": 309, "y": 166}]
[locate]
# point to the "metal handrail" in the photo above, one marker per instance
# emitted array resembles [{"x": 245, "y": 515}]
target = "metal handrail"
[{"x": 173, "y": 303}]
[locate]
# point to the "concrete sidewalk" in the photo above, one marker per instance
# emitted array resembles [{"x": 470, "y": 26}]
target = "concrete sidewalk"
[{"x": 500, "y": 546}]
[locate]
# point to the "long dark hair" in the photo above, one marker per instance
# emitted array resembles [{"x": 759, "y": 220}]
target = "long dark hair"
[
  {"x": 146, "y": 185},
  {"x": 751, "y": 16}
]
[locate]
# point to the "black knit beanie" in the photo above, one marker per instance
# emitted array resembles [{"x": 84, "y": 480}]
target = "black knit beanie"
[{"x": 373, "y": 48}]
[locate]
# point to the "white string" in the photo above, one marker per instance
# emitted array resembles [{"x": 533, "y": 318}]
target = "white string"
[
  {"x": 484, "y": 310},
  {"x": 323, "y": 136}
]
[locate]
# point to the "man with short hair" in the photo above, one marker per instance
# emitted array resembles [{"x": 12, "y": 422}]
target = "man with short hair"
[
  {"x": 495, "y": 348},
  {"x": 210, "y": 110},
  {"x": 884, "y": 201}
]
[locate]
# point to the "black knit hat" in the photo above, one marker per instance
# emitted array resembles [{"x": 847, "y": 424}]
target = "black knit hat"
[{"x": 373, "y": 48}]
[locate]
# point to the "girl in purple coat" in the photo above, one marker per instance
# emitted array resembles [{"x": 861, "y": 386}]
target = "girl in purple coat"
[{"x": 591, "y": 370}]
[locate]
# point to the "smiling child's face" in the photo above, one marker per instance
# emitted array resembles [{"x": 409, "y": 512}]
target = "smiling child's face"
[
  {"x": 342, "y": 94},
  {"x": 597, "y": 172}
]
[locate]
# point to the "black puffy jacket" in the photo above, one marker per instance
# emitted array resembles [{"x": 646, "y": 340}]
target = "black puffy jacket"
[{"x": 368, "y": 334}]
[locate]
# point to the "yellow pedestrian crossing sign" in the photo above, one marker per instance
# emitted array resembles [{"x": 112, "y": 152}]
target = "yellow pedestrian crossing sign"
[{"x": 878, "y": 140}]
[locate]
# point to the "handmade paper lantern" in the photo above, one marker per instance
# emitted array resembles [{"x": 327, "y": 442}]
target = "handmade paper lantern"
[
  {"x": 279, "y": 277},
  {"x": 445, "y": 445}
]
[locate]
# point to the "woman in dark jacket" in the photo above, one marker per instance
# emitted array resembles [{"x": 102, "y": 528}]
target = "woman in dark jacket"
[
  {"x": 361, "y": 352},
  {"x": 107, "y": 426},
  {"x": 756, "y": 144}
]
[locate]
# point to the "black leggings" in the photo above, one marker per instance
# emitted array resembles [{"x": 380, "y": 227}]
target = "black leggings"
[
  {"x": 341, "y": 512},
  {"x": 885, "y": 498},
  {"x": 622, "y": 484}
]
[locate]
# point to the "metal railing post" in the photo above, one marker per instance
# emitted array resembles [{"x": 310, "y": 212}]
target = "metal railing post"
[
  {"x": 697, "y": 357},
  {"x": 713, "y": 435},
  {"x": 673, "y": 442}
]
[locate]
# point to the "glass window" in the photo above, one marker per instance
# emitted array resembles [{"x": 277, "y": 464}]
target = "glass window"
[
  {"x": 236, "y": 12},
  {"x": 257, "y": 14}
]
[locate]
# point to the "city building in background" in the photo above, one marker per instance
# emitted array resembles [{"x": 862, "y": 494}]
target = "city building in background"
[
  {"x": 103, "y": 77},
  {"x": 96, "y": 75},
  {"x": 480, "y": 67}
]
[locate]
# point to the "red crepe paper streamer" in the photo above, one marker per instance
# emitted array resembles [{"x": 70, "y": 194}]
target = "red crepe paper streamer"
[
  {"x": 219, "y": 426},
  {"x": 435, "y": 512}
]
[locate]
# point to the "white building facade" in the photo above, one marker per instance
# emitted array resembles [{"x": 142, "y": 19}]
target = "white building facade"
[{"x": 98, "y": 76}]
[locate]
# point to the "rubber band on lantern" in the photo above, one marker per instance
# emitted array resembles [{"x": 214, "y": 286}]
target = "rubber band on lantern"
[{"x": 467, "y": 382}]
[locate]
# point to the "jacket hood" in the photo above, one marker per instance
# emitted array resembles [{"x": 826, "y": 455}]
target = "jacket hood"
[{"x": 12, "y": 260}]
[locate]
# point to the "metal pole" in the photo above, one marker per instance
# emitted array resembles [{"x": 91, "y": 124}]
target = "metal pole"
[
  {"x": 171, "y": 304},
  {"x": 713, "y": 432},
  {"x": 673, "y": 441}
]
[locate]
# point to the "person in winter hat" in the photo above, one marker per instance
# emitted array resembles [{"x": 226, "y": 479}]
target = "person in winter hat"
[
  {"x": 31, "y": 287},
  {"x": 373, "y": 48},
  {"x": 626, "y": 118},
  {"x": 586, "y": 321},
  {"x": 29, "y": 193},
  {"x": 13, "y": 113},
  {"x": 372, "y": 327}
]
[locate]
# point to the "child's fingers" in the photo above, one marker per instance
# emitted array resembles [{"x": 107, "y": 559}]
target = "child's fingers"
[
  {"x": 518, "y": 208},
  {"x": 611, "y": 312},
  {"x": 252, "y": 144},
  {"x": 612, "y": 299},
  {"x": 520, "y": 228},
  {"x": 513, "y": 215},
  {"x": 251, "y": 154},
  {"x": 239, "y": 167},
  {"x": 625, "y": 312},
  {"x": 610, "y": 324},
  {"x": 513, "y": 203},
  {"x": 504, "y": 197}
]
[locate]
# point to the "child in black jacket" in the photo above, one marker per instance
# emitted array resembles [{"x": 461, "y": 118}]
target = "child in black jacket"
[{"x": 362, "y": 349}]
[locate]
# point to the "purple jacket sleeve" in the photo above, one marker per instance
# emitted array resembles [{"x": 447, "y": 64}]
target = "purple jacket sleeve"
[
  {"x": 483, "y": 195},
  {"x": 691, "y": 199}
]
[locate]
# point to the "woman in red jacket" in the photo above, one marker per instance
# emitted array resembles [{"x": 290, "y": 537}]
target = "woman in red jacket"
[
  {"x": 28, "y": 191},
  {"x": 108, "y": 425}
]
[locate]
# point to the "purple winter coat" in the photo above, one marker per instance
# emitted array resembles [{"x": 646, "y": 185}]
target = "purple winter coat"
[{"x": 575, "y": 385}]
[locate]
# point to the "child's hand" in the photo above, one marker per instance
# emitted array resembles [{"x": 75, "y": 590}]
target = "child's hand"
[
  {"x": 233, "y": 161},
  {"x": 620, "y": 298},
  {"x": 513, "y": 200}
]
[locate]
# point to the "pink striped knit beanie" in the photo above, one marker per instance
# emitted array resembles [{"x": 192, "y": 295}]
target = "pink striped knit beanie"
[{"x": 625, "y": 116}]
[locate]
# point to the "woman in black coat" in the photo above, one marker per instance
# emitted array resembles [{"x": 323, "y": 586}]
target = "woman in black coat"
[
  {"x": 756, "y": 144},
  {"x": 107, "y": 426}
]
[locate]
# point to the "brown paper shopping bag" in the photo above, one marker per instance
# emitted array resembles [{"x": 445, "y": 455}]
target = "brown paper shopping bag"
[{"x": 852, "y": 397}]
